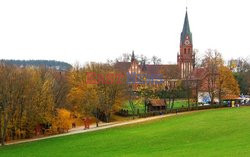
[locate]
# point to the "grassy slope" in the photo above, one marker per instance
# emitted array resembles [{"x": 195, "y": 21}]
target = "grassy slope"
[{"x": 223, "y": 132}]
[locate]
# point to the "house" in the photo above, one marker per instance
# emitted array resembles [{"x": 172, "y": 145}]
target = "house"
[{"x": 154, "y": 105}]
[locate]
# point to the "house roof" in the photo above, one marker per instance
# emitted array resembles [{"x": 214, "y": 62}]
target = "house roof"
[
  {"x": 157, "y": 102},
  {"x": 230, "y": 96}
]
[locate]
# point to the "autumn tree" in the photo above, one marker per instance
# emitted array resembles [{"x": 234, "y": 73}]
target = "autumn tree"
[
  {"x": 212, "y": 61},
  {"x": 110, "y": 88},
  {"x": 100, "y": 97},
  {"x": 62, "y": 121},
  {"x": 241, "y": 70},
  {"x": 60, "y": 88},
  {"x": 14, "y": 91},
  {"x": 27, "y": 99},
  {"x": 226, "y": 83}
]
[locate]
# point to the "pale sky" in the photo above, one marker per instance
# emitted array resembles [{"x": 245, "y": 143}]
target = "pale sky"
[{"x": 97, "y": 30}]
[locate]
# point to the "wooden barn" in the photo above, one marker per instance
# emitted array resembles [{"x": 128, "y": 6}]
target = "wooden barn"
[{"x": 156, "y": 105}]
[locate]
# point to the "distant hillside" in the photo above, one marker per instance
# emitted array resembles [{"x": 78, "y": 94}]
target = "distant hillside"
[{"x": 37, "y": 63}]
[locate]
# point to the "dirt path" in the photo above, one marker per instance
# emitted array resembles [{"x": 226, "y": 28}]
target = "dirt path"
[{"x": 94, "y": 128}]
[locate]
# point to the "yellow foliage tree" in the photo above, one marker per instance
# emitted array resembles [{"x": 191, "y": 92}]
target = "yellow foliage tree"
[
  {"x": 62, "y": 122},
  {"x": 226, "y": 83}
]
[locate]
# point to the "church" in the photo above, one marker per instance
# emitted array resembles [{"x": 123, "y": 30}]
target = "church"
[{"x": 168, "y": 74}]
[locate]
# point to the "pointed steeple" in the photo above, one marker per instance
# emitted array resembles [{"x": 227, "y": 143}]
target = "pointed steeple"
[
  {"x": 143, "y": 66},
  {"x": 133, "y": 56},
  {"x": 186, "y": 30}
]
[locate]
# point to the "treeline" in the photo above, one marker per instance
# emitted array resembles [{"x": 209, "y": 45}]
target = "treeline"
[
  {"x": 39, "y": 63},
  {"x": 241, "y": 71},
  {"x": 47, "y": 101}
]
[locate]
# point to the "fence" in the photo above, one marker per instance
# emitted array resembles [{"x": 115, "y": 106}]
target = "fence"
[{"x": 125, "y": 113}]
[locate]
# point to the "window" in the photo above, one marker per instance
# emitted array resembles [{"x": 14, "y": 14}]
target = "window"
[{"x": 184, "y": 51}]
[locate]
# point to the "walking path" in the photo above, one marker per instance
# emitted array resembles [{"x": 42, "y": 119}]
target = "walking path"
[{"x": 94, "y": 128}]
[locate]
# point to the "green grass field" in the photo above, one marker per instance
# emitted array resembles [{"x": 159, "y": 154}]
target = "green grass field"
[
  {"x": 221, "y": 132},
  {"x": 177, "y": 104}
]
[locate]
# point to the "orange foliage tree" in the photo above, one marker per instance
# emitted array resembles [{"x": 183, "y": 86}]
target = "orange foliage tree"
[{"x": 226, "y": 83}]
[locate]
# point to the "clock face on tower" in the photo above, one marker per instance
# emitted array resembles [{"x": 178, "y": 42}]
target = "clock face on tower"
[{"x": 187, "y": 42}]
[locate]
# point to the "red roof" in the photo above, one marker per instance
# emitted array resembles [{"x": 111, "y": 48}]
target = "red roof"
[
  {"x": 157, "y": 69},
  {"x": 167, "y": 69},
  {"x": 157, "y": 102},
  {"x": 122, "y": 66},
  {"x": 198, "y": 73}
]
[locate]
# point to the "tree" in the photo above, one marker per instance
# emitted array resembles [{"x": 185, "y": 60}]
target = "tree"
[
  {"x": 155, "y": 60},
  {"x": 13, "y": 97},
  {"x": 212, "y": 61},
  {"x": 143, "y": 59},
  {"x": 47, "y": 102},
  {"x": 126, "y": 57},
  {"x": 98, "y": 99},
  {"x": 110, "y": 93},
  {"x": 226, "y": 83},
  {"x": 60, "y": 88},
  {"x": 241, "y": 71},
  {"x": 62, "y": 121},
  {"x": 146, "y": 92}
]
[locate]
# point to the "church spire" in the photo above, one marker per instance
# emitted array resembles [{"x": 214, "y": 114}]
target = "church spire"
[
  {"x": 133, "y": 56},
  {"x": 186, "y": 57},
  {"x": 186, "y": 29}
]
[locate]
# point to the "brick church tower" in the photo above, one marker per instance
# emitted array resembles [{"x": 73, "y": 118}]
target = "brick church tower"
[{"x": 186, "y": 57}]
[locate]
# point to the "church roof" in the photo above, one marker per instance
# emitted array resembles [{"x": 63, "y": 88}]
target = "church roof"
[
  {"x": 186, "y": 30},
  {"x": 198, "y": 73},
  {"x": 168, "y": 70},
  {"x": 122, "y": 66}
]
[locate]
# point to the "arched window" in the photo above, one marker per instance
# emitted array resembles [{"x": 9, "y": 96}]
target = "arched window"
[
  {"x": 184, "y": 51},
  {"x": 189, "y": 51}
]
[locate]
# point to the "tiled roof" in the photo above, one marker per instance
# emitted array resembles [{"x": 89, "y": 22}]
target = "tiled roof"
[
  {"x": 157, "y": 102},
  {"x": 122, "y": 66},
  {"x": 166, "y": 71},
  {"x": 198, "y": 73},
  {"x": 156, "y": 69}
]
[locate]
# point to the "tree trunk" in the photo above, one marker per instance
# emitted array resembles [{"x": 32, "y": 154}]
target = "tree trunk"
[
  {"x": 4, "y": 131},
  {"x": 96, "y": 118},
  {"x": 169, "y": 103},
  {"x": 196, "y": 93},
  {"x": 220, "y": 96},
  {"x": 1, "y": 126},
  {"x": 173, "y": 98},
  {"x": 107, "y": 117},
  {"x": 97, "y": 123},
  {"x": 188, "y": 98},
  {"x": 212, "y": 99}
]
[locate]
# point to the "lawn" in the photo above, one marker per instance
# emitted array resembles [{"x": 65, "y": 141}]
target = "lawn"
[
  {"x": 221, "y": 132},
  {"x": 139, "y": 104},
  {"x": 179, "y": 103}
]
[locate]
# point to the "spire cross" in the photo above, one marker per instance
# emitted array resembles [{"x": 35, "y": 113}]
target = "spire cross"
[{"x": 186, "y": 4}]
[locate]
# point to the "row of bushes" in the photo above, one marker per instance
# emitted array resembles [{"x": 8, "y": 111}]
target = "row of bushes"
[{"x": 168, "y": 110}]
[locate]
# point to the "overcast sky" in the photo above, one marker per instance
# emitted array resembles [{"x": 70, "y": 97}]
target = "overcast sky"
[{"x": 96, "y": 30}]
